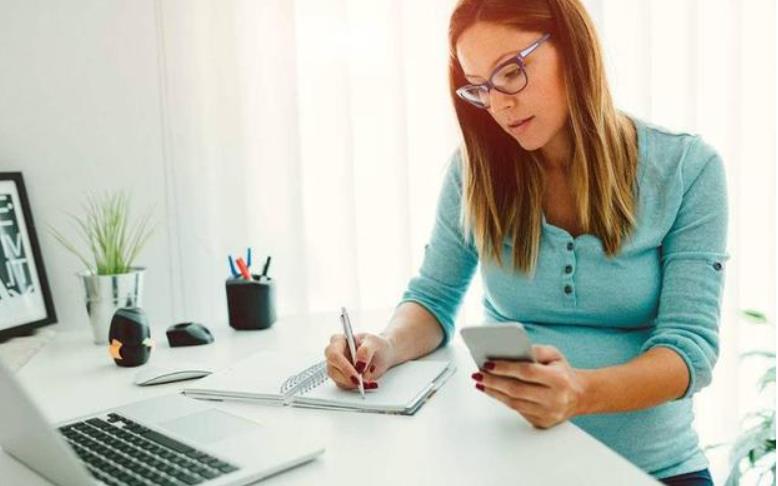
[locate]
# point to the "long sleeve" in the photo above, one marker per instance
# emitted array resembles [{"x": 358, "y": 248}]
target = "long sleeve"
[
  {"x": 693, "y": 254},
  {"x": 449, "y": 261}
]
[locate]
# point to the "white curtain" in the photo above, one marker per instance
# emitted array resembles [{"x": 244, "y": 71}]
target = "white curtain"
[{"x": 316, "y": 131}]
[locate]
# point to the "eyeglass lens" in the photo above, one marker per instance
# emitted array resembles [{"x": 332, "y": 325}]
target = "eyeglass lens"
[{"x": 510, "y": 79}]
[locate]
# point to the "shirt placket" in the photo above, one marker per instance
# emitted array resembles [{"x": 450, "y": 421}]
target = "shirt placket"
[{"x": 569, "y": 262}]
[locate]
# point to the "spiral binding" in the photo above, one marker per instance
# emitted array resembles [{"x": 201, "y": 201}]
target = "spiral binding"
[{"x": 306, "y": 380}]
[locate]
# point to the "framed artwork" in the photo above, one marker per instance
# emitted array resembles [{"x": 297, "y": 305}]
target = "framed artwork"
[{"x": 25, "y": 297}]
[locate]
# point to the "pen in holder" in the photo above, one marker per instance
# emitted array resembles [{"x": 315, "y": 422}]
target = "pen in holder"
[{"x": 251, "y": 303}]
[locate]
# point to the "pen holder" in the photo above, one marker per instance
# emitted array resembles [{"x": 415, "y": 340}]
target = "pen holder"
[{"x": 251, "y": 303}]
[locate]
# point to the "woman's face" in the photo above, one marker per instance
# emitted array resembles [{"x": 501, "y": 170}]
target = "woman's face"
[{"x": 542, "y": 102}]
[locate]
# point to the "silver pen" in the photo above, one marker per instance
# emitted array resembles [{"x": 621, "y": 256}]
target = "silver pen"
[{"x": 351, "y": 346}]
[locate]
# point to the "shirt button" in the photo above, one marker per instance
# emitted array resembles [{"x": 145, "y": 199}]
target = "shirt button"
[
  {"x": 568, "y": 289},
  {"x": 568, "y": 268},
  {"x": 570, "y": 246},
  {"x": 717, "y": 266}
]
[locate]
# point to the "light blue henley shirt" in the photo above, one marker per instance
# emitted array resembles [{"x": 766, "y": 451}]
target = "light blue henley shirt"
[{"x": 663, "y": 289}]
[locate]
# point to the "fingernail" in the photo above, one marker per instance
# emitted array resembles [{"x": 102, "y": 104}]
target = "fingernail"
[
  {"x": 372, "y": 368},
  {"x": 489, "y": 365},
  {"x": 371, "y": 385},
  {"x": 360, "y": 366},
  {"x": 477, "y": 376},
  {"x": 355, "y": 380},
  {"x": 479, "y": 386}
]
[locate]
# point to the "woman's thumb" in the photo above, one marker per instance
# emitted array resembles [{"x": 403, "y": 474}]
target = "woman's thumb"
[{"x": 546, "y": 354}]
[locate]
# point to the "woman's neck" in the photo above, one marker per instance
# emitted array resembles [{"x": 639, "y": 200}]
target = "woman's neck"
[{"x": 557, "y": 152}]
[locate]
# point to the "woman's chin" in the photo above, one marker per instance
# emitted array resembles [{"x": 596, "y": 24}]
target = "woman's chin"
[
  {"x": 527, "y": 144},
  {"x": 526, "y": 139}
]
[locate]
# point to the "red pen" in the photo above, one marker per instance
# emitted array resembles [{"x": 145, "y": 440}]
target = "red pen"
[{"x": 244, "y": 270}]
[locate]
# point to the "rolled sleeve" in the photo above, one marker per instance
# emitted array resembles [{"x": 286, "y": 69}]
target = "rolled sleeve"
[
  {"x": 693, "y": 257},
  {"x": 449, "y": 260}
]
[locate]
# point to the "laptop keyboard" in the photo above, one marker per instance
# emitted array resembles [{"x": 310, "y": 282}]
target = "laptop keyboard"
[{"x": 118, "y": 451}]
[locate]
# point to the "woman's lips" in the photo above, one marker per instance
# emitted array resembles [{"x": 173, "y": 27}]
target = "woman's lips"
[{"x": 521, "y": 126}]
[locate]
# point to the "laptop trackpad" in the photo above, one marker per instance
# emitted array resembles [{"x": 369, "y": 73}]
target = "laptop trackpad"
[{"x": 209, "y": 426}]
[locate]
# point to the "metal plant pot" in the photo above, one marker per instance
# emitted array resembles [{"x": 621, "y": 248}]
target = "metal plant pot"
[{"x": 107, "y": 293}]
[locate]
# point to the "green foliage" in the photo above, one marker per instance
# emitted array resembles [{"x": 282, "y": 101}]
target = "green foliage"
[
  {"x": 755, "y": 316},
  {"x": 754, "y": 448},
  {"x": 113, "y": 241}
]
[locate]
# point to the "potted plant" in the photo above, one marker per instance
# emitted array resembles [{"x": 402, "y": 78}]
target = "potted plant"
[
  {"x": 110, "y": 280},
  {"x": 753, "y": 452}
]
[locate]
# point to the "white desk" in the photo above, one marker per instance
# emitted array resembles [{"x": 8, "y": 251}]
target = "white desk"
[{"x": 460, "y": 436}]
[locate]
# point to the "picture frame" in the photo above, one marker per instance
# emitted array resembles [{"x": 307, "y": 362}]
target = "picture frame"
[{"x": 25, "y": 296}]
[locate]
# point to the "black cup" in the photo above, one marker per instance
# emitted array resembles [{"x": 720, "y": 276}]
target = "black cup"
[{"x": 251, "y": 303}]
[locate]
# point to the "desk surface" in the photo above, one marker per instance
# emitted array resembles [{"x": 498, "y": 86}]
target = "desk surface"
[{"x": 460, "y": 436}]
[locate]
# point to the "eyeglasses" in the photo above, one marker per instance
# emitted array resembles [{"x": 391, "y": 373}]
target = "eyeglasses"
[{"x": 509, "y": 77}]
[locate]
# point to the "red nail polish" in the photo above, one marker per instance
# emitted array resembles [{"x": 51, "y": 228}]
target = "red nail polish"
[
  {"x": 489, "y": 365},
  {"x": 360, "y": 367},
  {"x": 355, "y": 380},
  {"x": 477, "y": 376},
  {"x": 372, "y": 368},
  {"x": 371, "y": 385},
  {"x": 479, "y": 386}
]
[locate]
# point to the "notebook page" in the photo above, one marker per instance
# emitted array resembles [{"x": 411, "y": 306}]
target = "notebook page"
[
  {"x": 258, "y": 376},
  {"x": 398, "y": 388}
]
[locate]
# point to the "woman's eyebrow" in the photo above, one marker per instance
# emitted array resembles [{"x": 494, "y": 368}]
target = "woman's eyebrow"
[{"x": 500, "y": 59}]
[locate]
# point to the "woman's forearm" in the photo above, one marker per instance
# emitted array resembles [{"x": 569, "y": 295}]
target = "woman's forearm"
[
  {"x": 413, "y": 332},
  {"x": 656, "y": 376}
]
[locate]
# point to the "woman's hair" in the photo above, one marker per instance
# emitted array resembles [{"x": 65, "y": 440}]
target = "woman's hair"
[{"x": 503, "y": 184}]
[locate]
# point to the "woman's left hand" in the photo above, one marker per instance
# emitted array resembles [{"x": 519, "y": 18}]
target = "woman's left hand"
[{"x": 545, "y": 393}]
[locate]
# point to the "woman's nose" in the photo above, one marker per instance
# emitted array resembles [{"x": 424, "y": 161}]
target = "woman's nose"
[{"x": 499, "y": 101}]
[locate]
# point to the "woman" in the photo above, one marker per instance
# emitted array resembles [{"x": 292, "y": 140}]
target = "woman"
[{"x": 603, "y": 234}]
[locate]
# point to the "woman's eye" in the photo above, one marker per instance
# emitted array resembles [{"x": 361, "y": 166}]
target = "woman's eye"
[{"x": 510, "y": 74}]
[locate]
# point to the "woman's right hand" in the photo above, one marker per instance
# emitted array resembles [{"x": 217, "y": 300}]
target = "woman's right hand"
[{"x": 375, "y": 355}]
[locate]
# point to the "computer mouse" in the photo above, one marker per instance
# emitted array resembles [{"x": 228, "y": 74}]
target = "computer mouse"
[
  {"x": 157, "y": 374},
  {"x": 188, "y": 334}
]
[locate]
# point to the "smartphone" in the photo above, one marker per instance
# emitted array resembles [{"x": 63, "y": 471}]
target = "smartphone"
[{"x": 503, "y": 341}]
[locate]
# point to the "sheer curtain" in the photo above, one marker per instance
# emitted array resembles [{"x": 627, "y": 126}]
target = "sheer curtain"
[{"x": 317, "y": 132}]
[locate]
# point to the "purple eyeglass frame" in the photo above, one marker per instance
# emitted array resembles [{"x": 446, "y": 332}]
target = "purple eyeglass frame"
[{"x": 518, "y": 59}]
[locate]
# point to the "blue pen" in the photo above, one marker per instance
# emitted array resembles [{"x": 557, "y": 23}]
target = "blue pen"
[
  {"x": 248, "y": 258},
  {"x": 232, "y": 266}
]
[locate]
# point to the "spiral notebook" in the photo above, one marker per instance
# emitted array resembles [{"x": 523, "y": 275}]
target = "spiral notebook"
[{"x": 278, "y": 378}]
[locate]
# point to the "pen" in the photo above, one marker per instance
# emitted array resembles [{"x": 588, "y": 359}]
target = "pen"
[
  {"x": 352, "y": 349},
  {"x": 248, "y": 257},
  {"x": 264, "y": 270},
  {"x": 243, "y": 268},
  {"x": 232, "y": 266}
]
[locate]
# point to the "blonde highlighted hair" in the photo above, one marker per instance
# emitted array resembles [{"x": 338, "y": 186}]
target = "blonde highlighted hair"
[{"x": 503, "y": 184}]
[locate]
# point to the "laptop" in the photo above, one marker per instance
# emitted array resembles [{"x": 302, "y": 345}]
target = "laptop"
[{"x": 169, "y": 440}]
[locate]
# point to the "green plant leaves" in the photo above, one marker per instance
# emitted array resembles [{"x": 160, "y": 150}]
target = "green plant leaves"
[
  {"x": 765, "y": 354},
  {"x": 755, "y": 447},
  {"x": 753, "y": 444},
  {"x": 767, "y": 378},
  {"x": 113, "y": 240},
  {"x": 755, "y": 316}
]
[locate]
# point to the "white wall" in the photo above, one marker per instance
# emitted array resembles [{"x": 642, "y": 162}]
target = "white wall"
[{"x": 80, "y": 112}]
